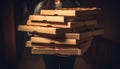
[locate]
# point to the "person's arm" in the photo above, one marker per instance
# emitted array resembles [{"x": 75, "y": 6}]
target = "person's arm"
[{"x": 38, "y": 8}]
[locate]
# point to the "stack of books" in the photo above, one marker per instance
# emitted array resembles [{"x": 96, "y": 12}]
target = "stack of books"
[{"x": 65, "y": 31}]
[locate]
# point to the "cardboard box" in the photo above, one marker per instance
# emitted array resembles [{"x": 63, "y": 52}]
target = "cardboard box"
[
  {"x": 60, "y": 19},
  {"x": 63, "y": 25},
  {"x": 38, "y": 29},
  {"x": 56, "y": 51},
  {"x": 71, "y": 11}
]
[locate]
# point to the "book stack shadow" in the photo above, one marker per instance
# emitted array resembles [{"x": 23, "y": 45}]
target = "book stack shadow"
[{"x": 65, "y": 31}]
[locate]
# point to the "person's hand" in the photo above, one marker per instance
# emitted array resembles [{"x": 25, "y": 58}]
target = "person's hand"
[{"x": 31, "y": 33}]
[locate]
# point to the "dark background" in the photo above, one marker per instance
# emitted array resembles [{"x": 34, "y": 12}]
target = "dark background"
[{"x": 105, "y": 49}]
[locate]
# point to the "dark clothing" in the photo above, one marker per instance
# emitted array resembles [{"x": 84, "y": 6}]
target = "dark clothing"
[{"x": 56, "y": 62}]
